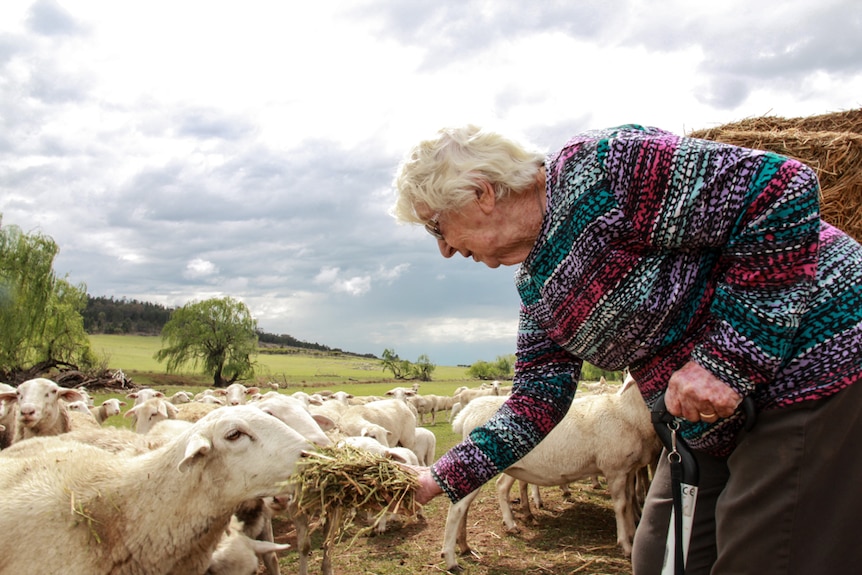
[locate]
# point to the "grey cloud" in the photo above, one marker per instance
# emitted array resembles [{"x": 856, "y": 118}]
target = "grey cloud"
[
  {"x": 204, "y": 123},
  {"x": 455, "y": 30},
  {"x": 48, "y": 18}
]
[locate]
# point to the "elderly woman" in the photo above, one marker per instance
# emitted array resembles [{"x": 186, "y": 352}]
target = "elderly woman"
[{"x": 706, "y": 270}]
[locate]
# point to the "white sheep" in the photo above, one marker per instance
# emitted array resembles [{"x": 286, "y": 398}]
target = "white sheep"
[
  {"x": 41, "y": 407},
  {"x": 108, "y": 408},
  {"x": 96, "y": 509},
  {"x": 181, "y": 397},
  {"x": 465, "y": 396},
  {"x": 611, "y": 435},
  {"x": 150, "y": 412},
  {"x": 294, "y": 413},
  {"x": 425, "y": 446},
  {"x": 236, "y": 393},
  {"x": 143, "y": 394},
  {"x": 238, "y": 554},
  {"x": 390, "y": 421},
  {"x": 195, "y": 410}
]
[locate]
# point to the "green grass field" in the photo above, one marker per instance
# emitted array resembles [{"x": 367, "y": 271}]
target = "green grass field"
[{"x": 134, "y": 355}]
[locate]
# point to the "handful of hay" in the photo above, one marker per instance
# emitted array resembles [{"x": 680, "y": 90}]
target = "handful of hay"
[{"x": 332, "y": 479}]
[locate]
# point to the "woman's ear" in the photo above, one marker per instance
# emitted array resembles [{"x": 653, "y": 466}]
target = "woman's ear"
[{"x": 485, "y": 196}]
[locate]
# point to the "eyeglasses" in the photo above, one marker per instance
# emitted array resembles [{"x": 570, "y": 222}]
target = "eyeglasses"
[{"x": 432, "y": 226}]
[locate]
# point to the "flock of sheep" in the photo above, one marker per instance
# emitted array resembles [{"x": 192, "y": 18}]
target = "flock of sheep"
[{"x": 216, "y": 464}]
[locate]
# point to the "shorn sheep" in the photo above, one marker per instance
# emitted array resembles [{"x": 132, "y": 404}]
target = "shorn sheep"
[
  {"x": 610, "y": 435},
  {"x": 390, "y": 421},
  {"x": 41, "y": 407},
  {"x": 95, "y": 510}
]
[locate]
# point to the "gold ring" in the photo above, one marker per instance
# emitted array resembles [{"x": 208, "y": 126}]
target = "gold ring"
[{"x": 712, "y": 415}]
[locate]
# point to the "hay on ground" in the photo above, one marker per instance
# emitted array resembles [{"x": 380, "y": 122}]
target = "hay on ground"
[{"x": 830, "y": 143}]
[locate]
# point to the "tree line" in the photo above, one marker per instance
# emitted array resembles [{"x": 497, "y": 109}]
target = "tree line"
[{"x": 122, "y": 316}]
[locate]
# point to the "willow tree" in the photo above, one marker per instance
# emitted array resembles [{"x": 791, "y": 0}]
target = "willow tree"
[
  {"x": 40, "y": 314},
  {"x": 216, "y": 336}
]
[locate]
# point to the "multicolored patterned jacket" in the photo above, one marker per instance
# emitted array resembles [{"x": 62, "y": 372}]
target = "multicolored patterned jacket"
[{"x": 656, "y": 249}]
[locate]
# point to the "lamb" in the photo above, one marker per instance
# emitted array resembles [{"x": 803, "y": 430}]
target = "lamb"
[
  {"x": 390, "y": 421},
  {"x": 96, "y": 508},
  {"x": 611, "y": 435},
  {"x": 237, "y": 553},
  {"x": 40, "y": 410}
]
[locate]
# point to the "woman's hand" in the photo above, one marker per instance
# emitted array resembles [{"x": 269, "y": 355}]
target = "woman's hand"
[
  {"x": 428, "y": 488},
  {"x": 696, "y": 395}
]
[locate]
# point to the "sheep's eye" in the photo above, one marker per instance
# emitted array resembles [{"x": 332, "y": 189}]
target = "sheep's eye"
[{"x": 233, "y": 435}]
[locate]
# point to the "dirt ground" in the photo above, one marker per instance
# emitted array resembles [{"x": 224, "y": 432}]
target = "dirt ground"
[{"x": 571, "y": 536}]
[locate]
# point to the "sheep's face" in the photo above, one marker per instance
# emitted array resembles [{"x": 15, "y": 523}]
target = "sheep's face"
[
  {"x": 39, "y": 401},
  {"x": 253, "y": 450}
]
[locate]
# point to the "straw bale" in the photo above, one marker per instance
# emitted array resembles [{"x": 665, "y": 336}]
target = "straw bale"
[{"x": 830, "y": 143}]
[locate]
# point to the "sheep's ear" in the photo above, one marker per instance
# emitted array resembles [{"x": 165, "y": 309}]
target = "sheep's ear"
[
  {"x": 132, "y": 412},
  {"x": 262, "y": 547},
  {"x": 198, "y": 445},
  {"x": 71, "y": 395},
  {"x": 392, "y": 456},
  {"x": 325, "y": 423}
]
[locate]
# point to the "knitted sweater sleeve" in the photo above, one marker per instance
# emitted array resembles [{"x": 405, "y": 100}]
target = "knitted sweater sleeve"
[
  {"x": 759, "y": 211},
  {"x": 545, "y": 380}
]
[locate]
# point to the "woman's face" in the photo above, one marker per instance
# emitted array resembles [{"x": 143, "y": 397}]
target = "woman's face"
[{"x": 487, "y": 230}]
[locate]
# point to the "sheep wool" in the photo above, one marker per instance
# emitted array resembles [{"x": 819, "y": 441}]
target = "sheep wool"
[{"x": 98, "y": 511}]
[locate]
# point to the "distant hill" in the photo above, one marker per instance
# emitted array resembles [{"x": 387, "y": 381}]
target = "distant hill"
[{"x": 106, "y": 315}]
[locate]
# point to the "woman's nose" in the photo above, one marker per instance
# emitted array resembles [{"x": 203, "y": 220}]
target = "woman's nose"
[{"x": 446, "y": 250}]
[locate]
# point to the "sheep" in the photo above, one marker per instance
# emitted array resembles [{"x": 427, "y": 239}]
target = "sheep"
[
  {"x": 7, "y": 418},
  {"x": 110, "y": 439},
  {"x": 143, "y": 394},
  {"x": 79, "y": 406},
  {"x": 81, "y": 419},
  {"x": 96, "y": 508},
  {"x": 237, "y": 553},
  {"x": 255, "y": 515},
  {"x": 390, "y": 421},
  {"x": 108, "y": 408},
  {"x": 292, "y": 411},
  {"x": 236, "y": 393},
  {"x": 40, "y": 410},
  {"x": 610, "y": 435},
  {"x": 181, "y": 397},
  {"x": 150, "y": 412},
  {"x": 195, "y": 410},
  {"x": 425, "y": 446}
]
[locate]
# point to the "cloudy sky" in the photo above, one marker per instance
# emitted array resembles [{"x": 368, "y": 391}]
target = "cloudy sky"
[{"x": 182, "y": 150}]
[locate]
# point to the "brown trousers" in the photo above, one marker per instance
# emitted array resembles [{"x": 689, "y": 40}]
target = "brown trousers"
[{"x": 788, "y": 500}]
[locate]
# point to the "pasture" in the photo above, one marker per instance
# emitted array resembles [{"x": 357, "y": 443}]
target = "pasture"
[{"x": 575, "y": 535}]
